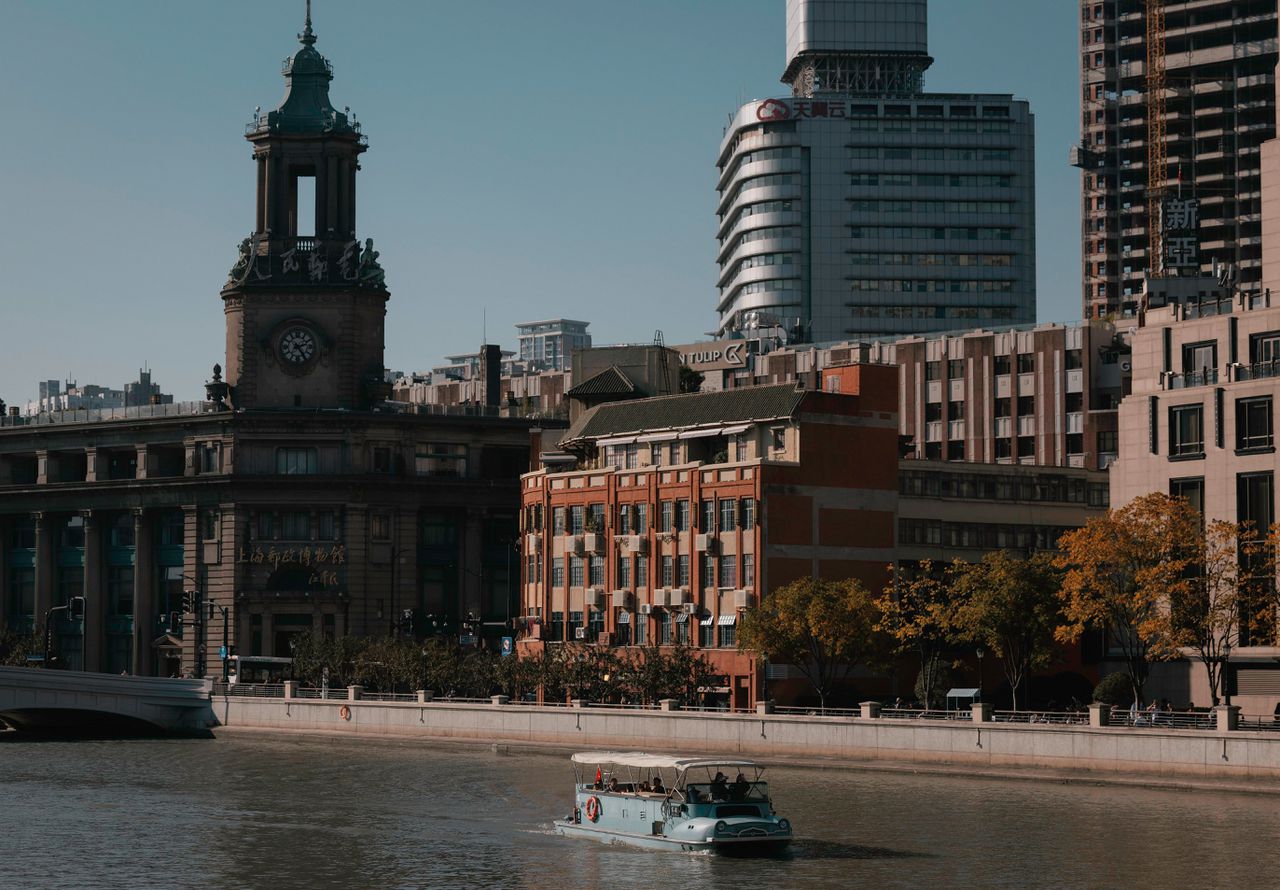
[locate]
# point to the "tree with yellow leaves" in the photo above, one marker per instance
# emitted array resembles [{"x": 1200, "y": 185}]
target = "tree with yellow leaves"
[
  {"x": 1123, "y": 571},
  {"x": 917, "y": 612},
  {"x": 822, "y": 628}
]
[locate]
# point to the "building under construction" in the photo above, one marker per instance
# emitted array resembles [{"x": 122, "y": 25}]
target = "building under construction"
[{"x": 1177, "y": 98}]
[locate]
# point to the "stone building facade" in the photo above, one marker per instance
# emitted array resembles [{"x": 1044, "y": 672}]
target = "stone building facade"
[{"x": 294, "y": 498}]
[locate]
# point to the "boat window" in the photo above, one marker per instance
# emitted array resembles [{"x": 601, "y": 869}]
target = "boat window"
[
  {"x": 737, "y": 809},
  {"x": 704, "y": 793}
]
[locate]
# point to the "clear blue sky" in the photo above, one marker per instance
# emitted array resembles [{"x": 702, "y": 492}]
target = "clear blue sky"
[{"x": 528, "y": 160}]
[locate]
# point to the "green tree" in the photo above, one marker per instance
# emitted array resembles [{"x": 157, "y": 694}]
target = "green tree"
[
  {"x": 15, "y": 648},
  {"x": 1122, "y": 569},
  {"x": 822, "y": 628},
  {"x": 690, "y": 380},
  {"x": 916, "y": 611},
  {"x": 1011, "y": 606}
]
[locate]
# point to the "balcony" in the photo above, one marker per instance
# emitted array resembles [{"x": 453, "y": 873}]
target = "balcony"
[
  {"x": 1258, "y": 371},
  {"x": 1191, "y": 379}
]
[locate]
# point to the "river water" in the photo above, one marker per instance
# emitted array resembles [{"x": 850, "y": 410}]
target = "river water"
[{"x": 274, "y": 811}]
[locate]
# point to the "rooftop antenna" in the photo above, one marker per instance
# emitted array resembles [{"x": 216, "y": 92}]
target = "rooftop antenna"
[{"x": 307, "y": 36}]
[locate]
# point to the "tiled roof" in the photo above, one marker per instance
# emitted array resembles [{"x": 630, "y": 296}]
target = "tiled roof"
[
  {"x": 609, "y": 382},
  {"x": 749, "y": 404}
]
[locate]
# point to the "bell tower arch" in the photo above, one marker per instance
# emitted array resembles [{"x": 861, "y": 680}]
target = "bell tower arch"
[{"x": 305, "y": 302}]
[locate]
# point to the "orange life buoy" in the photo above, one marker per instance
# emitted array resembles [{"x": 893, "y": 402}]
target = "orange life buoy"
[
  {"x": 593, "y": 808},
  {"x": 344, "y": 712}
]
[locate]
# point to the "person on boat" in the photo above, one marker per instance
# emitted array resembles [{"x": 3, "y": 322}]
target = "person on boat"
[
  {"x": 644, "y": 788},
  {"x": 720, "y": 787},
  {"x": 658, "y": 787},
  {"x": 738, "y": 790},
  {"x": 613, "y": 785}
]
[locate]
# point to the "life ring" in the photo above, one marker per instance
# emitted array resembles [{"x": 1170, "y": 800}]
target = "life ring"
[
  {"x": 593, "y": 808},
  {"x": 344, "y": 712}
]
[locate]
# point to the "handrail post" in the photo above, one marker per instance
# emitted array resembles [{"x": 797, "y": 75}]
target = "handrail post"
[
  {"x": 869, "y": 710},
  {"x": 1099, "y": 714},
  {"x": 982, "y": 712},
  {"x": 354, "y": 693}
]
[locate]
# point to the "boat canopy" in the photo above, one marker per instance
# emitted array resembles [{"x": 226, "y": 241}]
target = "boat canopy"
[{"x": 639, "y": 760}]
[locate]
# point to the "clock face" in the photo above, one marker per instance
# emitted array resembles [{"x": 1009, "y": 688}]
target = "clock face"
[{"x": 297, "y": 346}]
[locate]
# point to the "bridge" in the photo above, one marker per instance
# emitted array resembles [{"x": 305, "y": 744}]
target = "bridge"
[{"x": 50, "y": 701}]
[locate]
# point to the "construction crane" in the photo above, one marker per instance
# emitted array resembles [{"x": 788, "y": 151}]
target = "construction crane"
[{"x": 1157, "y": 151}]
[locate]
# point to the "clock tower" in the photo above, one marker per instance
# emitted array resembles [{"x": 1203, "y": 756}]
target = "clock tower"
[{"x": 306, "y": 300}]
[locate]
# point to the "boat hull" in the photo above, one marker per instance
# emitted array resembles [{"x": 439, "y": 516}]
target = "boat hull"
[{"x": 752, "y": 846}]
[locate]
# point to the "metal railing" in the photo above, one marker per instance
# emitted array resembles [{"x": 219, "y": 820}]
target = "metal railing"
[
  {"x": 1054, "y": 718},
  {"x": 924, "y": 714},
  {"x": 1163, "y": 719},
  {"x": 1259, "y": 722},
  {"x": 97, "y": 415},
  {"x": 1258, "y": 371}
]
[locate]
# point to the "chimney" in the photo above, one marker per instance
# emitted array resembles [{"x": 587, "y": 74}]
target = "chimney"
[
  {"x": 535, "y": 449},
  {"x": 491, "y": 374}
]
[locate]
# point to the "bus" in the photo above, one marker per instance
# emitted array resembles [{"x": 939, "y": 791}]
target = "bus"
[{"x": 258, "y": 669}]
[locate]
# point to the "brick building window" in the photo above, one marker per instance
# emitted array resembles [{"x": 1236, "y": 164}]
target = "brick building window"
[
  {"x": 748, "y": 514},
  {"x": 1186, "y": 431},
  {"x": 1253, "y": 423},
  {"x": 728, "y": 570},
  {"x": 748, "y": 570},
  {"x": 1192, "y": 489},
  {"x": 682, "y": 570},
  {"x": 682, "y": 515},
  {"x": 728, "y": 514}
]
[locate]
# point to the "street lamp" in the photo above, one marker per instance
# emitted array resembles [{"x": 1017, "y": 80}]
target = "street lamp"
[
  {"x": 980, "y": 652},
  {"x": 1222, "y": 679}
]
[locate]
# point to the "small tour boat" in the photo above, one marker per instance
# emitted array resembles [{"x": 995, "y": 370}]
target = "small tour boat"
[{"x": 661, "y": 802}]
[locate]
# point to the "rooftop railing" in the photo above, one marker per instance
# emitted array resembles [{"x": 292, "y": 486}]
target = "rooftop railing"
[{"x": 99, "y": 415}]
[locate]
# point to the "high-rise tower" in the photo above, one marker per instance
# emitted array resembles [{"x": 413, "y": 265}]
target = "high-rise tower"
[
  {"x": 861, "y": 206},
  {"x": 1217, "y": 106},
  {"x": 306, "y": 300}
]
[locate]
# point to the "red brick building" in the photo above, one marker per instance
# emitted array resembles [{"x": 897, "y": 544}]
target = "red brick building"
[{"x": 663, "y": 518}]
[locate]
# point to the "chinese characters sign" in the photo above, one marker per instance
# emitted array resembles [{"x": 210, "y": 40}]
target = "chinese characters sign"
[{"x": 1179, "y": 222}]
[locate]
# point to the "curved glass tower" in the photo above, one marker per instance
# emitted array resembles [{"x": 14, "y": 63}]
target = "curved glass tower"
[{"x": 859, "y": 205}]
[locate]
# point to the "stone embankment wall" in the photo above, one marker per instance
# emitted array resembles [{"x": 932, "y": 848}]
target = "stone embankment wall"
[{"x": 1187, "y": 754}]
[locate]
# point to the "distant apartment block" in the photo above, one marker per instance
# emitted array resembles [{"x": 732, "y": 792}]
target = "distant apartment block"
[
  {"x": 550, "y": 345},
  {"x": 56, "y": 396}
]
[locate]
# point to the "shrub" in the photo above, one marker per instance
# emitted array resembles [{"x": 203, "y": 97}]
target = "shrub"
[{"x": 1115, "y": 689}]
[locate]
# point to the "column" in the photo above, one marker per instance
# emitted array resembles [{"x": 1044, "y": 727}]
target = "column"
[
  {"x": 473, "y": 565},
  {"x": 4, "y": 572},
  {"x": 193, "y": 634},
  {"x": 95, "y": 607},
  {"x": 332, "y": 221},
  {"x": 261, "y": 215},
  {"x": 91, "y": 465},
  {"x": 144, "y": 573},
  {"x": 44, "y": 567},
  {"x": 322, "y": 200}
]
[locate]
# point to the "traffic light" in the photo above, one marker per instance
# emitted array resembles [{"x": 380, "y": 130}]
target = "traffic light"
[
  {"x": 75, "y": 607},
  {"x": 188, "y": 601}
]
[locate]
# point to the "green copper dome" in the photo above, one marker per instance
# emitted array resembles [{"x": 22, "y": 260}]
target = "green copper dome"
[{"x": 305, "y": 108}]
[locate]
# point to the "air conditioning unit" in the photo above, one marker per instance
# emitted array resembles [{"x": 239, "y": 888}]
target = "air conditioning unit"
[
  {"x": 689, "y": 608},
  {"x": 708, "y": 542},
  {"x": 645, "y": 609},
  {"x": 675, "y": 596},
  {"x": 593, "y": 597},
  {"x": 660, "y": 596},
  {"x": 579, "y": 633},
  {"x": 638, "y": 544},
  {"x": 604, "y": 638},
  {"x": 742, "y": 599},
  {"x": 624, "y": 599},
  {"x": 576, "y": 545},
  {"x": 592, "y": 542},
  {"x": 532, "y": 542}
]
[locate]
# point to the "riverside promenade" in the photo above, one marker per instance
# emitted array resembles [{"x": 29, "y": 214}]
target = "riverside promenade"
[{"x": 1207, "y": 747}]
